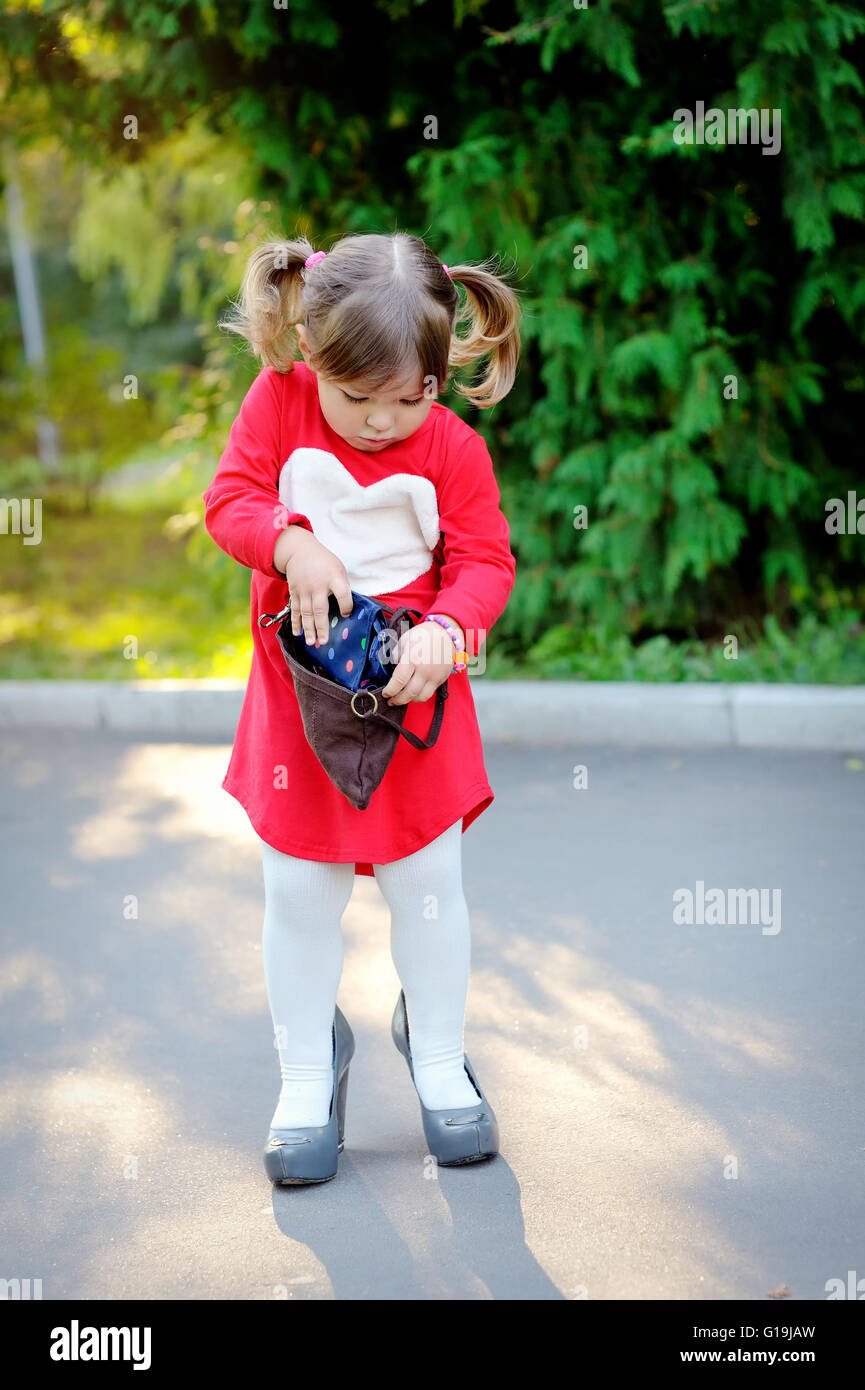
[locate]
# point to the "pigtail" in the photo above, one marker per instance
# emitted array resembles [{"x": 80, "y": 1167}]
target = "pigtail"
[
  {"x": 492, "y": 313},
  {"x": 270, "y": 302}
]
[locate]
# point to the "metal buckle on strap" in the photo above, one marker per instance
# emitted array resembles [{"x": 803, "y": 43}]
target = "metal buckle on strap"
[
  {"x": 365, "y": 714},
  {"x": 268, "y": 619}
]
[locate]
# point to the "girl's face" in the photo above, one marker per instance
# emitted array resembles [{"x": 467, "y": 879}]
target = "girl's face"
[{"x": 370, "y": 421}]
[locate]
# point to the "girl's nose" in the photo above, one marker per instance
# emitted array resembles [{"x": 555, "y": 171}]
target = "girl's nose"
[{"x": 379, "y": 420}]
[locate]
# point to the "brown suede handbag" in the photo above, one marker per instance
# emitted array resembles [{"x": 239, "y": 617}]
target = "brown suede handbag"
[{"x": 353, "y": 733}]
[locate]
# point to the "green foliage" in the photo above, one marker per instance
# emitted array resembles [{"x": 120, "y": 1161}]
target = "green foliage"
[
  {"x": 158, "y": 221},
  {"x": 82, "y": 390},
  {"x": 694, "y": 385},
  {"x": 828, "y": 650}
]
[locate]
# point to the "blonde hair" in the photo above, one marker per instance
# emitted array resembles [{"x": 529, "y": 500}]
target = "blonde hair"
[{"x": 375, "y": 305}]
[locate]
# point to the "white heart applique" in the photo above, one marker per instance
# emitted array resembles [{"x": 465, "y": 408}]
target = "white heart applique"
[{"x": 385, "y": 534}]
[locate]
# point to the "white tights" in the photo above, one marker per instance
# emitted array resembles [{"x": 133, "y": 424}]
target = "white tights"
[{"x": 302, "y": 948}]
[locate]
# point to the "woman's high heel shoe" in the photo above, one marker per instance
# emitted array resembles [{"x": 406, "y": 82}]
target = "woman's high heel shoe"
[
  {"x": 311, "y": 1154},
  {"x": 463, "y": 1135}
]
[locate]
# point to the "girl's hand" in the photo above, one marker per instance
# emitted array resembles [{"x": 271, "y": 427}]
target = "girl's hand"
[
  {"x": 425, "y": 657},
  {"x": 313, "y": 573}
]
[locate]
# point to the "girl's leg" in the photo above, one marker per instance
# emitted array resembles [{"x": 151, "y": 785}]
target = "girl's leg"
[
  {"x": 430, "y": 945},
  {"x": 302, "y": 950}
]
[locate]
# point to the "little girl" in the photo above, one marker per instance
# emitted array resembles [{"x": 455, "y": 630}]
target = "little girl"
[{"x": 344, "y": 472}]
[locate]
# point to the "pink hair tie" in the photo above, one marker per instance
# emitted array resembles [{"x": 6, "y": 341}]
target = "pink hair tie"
[
  {"x": 446, "y": 270},
  {"x": 314, "y": 258}
]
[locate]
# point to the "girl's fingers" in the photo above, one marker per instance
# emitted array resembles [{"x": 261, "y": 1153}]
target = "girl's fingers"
[
  {"x": 398, "y": 681},
  {"x": 308, "y": 619},
  {"x": 411, "y": 691},
  {"x": 321, "y": 615},
  {"x": 342, "y": 591},
  {"x": 427, "y": 689}
]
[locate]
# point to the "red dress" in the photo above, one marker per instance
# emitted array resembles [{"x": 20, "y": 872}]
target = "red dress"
[{"x": 418, "y": 523}]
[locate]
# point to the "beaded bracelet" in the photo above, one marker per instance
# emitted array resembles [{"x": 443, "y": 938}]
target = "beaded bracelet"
[{"x": 460, "y": 655}]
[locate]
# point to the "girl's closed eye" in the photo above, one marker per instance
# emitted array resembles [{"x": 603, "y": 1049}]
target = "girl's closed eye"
[{"x": 359, "y": 400}]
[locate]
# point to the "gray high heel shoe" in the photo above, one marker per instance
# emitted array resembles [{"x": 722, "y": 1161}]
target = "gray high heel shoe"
[
  {"x": 311, "y": 1154},
  {"x": 464, "y": 1135}
]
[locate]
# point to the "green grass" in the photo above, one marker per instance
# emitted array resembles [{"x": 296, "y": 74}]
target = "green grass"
[
  {"x": 137, "y": 589},
  {"x": 70, "y": 606}
]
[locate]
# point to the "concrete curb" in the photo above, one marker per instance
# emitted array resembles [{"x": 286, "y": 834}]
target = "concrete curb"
[{"x": 533, "y": 713}]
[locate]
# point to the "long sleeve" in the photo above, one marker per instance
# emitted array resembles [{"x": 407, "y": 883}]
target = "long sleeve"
[
  {"x": 478, "y": 569},
  {"x": 242, "y": 508}
]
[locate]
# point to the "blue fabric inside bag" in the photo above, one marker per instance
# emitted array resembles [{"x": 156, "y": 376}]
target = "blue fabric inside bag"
[{"x": 357, "y": 652}]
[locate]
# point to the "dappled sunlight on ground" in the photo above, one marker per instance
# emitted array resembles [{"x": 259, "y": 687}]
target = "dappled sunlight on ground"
[
  {"x": 100, "y": 1109},
  {"x": 164, "y": 791},
  {"x": 664, "y": 1099},
  {"x": 35, "y": 974},
  {"x": 113, "y": 1147}
]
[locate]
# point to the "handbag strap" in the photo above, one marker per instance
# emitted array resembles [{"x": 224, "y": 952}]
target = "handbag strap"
[
  {"x": 395, "y": 614},
  {"x": 435, "y": 723}
]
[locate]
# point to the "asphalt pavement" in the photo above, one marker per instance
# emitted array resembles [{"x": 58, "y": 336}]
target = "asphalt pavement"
[{"x": 679, "y": 1094}]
